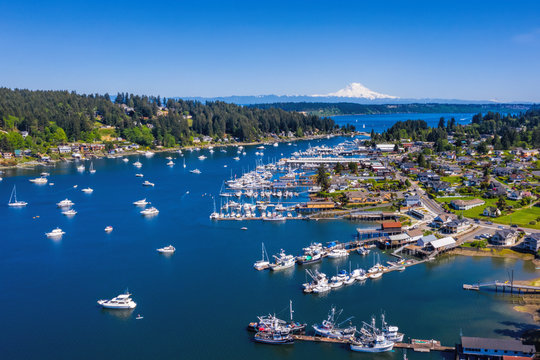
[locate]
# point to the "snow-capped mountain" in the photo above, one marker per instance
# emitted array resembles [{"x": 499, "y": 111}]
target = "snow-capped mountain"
[{"x": 357, "y": 90}]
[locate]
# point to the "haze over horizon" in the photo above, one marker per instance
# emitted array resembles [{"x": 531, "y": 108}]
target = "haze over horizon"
[{"x": 455, "y": 50}]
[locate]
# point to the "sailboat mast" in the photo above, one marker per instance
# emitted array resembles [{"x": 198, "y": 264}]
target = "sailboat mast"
[{"x": 291, "y": 310}]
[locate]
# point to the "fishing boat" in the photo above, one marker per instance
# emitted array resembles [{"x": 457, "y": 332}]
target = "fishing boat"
[
  {"x": 267, "y": 323},
  {"x": 167, "y": 250},
  {"x": 390, "y": 332},
  {"x": 310, "y": 258},
  {"x": 329, "y": 328},
  {"x": 264, "y": 262},
  {"x": 108, "y": 229},
  {"x": 142, "y": 202},
  {"x": 150, "y": 211},
  {"x": 376, "y": 345},
  {"x": 195, "y": 171},
  {"x": 147, "y": 183},
  {"x": 39, "y": 180},
  {"x": 55, "y": 233},
  {"x": 69, "y": 212},
  {"x": 282, "y": 261},
  {"x": 13, "y": 202},
  {"x": 121, "y": 302},
  {"x": 87, "y": 190},
  {"x": 92, "y": 170},
  {"x": 273, "y": 337},
  {"x": 65, "y": 203}
]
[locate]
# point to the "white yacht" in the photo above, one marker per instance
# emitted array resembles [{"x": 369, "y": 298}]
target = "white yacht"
[
  {"x": 150, "y": 211},
  {"x": 108, "y": 229},
  {"x": 87, "y": 190},
  {"x": 282, "y": 261},
  {"x": 139, "y": 175},
  {"x": 170, "y": 163},
  {"x": 195, "y": 171},
  {"x": 55, "y": 233},
  {"x": 338, "y": 253},
  {"x": 121, "y": 302},
  {"x": 13, "y": 202},
  {"x": 147, "y": 183},
  {"x": 137, "y": 164},
  {"x": 69, "y": 212},
  {"x": 167, "y": 249},
  {"x": 142, "y": 202},
  {"x": 39, "y": 180},
  {"x": 65, "y": 203}
]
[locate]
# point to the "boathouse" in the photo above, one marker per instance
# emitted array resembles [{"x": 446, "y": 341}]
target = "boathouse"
[
  {"x": 391, "y": 227},
  {"x": 472, "y": 348}
]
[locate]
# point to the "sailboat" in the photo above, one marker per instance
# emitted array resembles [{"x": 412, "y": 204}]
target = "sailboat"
[
  {"x": 13, "y": 199},
  {"x": 92, "y": 170},
  {"x": 264, "y": 262},
  {"x": 184, "y": 163}
]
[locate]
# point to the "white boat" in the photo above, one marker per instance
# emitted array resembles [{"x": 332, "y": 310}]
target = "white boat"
[
  {"x": 338, "y": 253},
  {"x": 150, "y": 211},
  {"x": 139, "y": 317},
  {"x": 39, "y": 180},
  {"x": 45, "y": 174},
  {"x": 80, "y": 168},
  {"x": 137, "y": 164},
  {"x": 195, "y": 171},
  {"x": 375, "y": 275},
  {"x": 142, "y": 202},
  {"x": 170, "y": 163},
  {"x": 275, "y": 144},
  {"x": 108, "y": 229},
  {"x": 125, "y": 160},
  {"x": 390, "y": 332},
  {"x": 167, "y": 250},
  {"x": 376, "y": 345},
  {"x": 69, "y": 212},
  {"x": 92, "y": 170},
  {"x": 139, "y": 175},
  {"x": 13, "y": 202},
  {"x": 55, "y": 233},
  {"x": 202, "y": 157},
  {"x": 121, "y": 302},
  {"x": 65, "y": 203},
  {"x": 147, "y": 183},
  {"x": 148, "y": 154},
  {"x": 282, "y": 261},
  {"x": 236, "y": 158},
  {"x": 184, "y": 164},
  {"x": 87, "y": 190},
  {"x": 264, "y": 262}
]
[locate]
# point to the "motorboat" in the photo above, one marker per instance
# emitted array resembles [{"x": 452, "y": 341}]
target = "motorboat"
[
  {"x": 363, "y": 251},
  {"x": 195, "y": 171},
  {"x": 202, "y": 157},
  {"x": 329, "y": 328},
  {"x": 44, "y": 174},
  {"x": 309, "y": 258},
  {"x": 167, "y": 250},
  {"x": 264, "y": 262},
  {"x": 236, "y": 158},
  {"x": 338, "y": 253},
  {"x": 147, "y": 183},
  {"x": 55, "y": 233},
  {"x": 108, "y": 229},
  {"x": 125, "y": 160},
  {"x": 13, "y": 202},
  {"x": 139, "y": 175},
  {"x": 87, "y": 190},
  {"x": 375, "y": 275},
  {"x": 137, "y": 164},
  {"x": 142, "y": 202},
  {"x": 65, "y": 203},
  {"x": 282, "y": 261},
  {"x": 148, "y": 154},
  {"x": 139, "y": 317},
  {"x": 150, "y": 211},
  {"x": 69, "y": 212},
  {"x": 80, "y": 168},
  {"x": 170, "y": 163},
  {"x": 39, "y": 180},
  {"x": 121, "y": 302}
]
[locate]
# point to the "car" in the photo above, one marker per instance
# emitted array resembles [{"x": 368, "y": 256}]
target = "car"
[
  {"x": 479, "y": 237},
  {"x": 521, "y": 230},
  {"x": 476, "y": 220},
  {"x": 513, "y": 225},
  {"x": 489, "y": 222},
  {"x": 501, "y": 227}
]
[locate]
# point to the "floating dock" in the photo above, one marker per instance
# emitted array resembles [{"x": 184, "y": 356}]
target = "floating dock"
[{"x": 504, "y": 286}]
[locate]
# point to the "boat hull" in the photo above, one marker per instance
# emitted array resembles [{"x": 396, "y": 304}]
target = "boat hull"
[{"x": 376, "y": 349}]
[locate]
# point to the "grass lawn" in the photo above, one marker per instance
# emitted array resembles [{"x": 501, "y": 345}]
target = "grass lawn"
[
  {"x": 452, "y": 179},
  {"x": 521, "y": 217},
  {"x": 476, "y": 212}
]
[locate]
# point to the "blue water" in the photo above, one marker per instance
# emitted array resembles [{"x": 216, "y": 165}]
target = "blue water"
[
  {"x": 197, "y": 302},
  {"x": 379, "y": 123}
]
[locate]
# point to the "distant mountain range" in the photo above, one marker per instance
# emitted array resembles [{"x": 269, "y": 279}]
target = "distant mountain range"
[{"x": 354, "y": 93}]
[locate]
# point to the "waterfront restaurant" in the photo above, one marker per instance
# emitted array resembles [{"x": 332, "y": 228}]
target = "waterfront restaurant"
[{"x": 473, "y": 348}]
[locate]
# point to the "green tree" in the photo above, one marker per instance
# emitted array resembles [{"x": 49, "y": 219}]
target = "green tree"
[
  {"x": 322, "y": 178},
  {"x": 353, "y": 167}
]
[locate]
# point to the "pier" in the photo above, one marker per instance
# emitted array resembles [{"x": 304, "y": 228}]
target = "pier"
[
  {"x": 504, "y": 286},
  {"x": 415, "y": 345}
]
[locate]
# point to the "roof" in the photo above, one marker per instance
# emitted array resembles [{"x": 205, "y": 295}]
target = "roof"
[
  {"x": 428, "y": 238},
  {"x": 499, "y": 344},
  {"x": 504, "y": 233},
  {"x": 468, "y": 202},
  {"x": 415, "y": 232},
  {"x": 398, "y": 237},
  {"x": 443, "y": 242},
  {"x": 391, "y": 224}
]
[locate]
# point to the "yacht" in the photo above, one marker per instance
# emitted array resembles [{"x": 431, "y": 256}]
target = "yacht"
[
  {"x": 39, "y": 180},
  {"x": 121, "y": 302},
  {"x": 108, "y": 229},
  {"x": 170, "y": 163},
  {"x": 236, "y": 158},
  {"x": 55, "y": 233},
  {"x": 202, "y": 157},
  {"x": 330, "y": 329},
  {"x": 92, "y": 170},
  {"x": 13, "y": 202},
  {"x": 338, "y": 253},
  {"x": 195, "y": 171},
  {"x": 65, "y": 203},
  {"x": 282, "y": 261},
  {"x": 125, "y": 160},
  {"x": 167, "y": 250},
  {"x": 142, "y": 202},
  {"x": 148, "y": 154},
  {"x": 264, "y": 262},
  {"x": 137, "y": 164},
  {"x": 150, "y": 211},
  {"x": 147, "y": 183},
  {"x": 139, "y": 175},
  {"x": 69, "y": 212},
  {"x": 87, "y": 190}
]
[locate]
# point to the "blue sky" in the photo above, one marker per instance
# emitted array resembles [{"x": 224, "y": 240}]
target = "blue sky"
[{"x": 412, "y": 49}]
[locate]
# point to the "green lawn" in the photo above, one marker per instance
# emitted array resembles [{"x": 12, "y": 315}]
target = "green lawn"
[
  {"x": 452, "y": 179},
  {"x": 475, "y": 212},
  {"x": 521, "y": 217}
]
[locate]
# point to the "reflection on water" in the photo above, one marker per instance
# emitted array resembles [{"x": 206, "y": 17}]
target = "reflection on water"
[{"x": 123, "y": 314}]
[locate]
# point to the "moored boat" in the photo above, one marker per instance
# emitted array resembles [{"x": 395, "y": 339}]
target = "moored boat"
[{"x": 121, "y": 302}]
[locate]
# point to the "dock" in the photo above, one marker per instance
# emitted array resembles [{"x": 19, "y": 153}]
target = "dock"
[
  {"x": 504, "y": 286},
  {"x": 415, "y": 345}
]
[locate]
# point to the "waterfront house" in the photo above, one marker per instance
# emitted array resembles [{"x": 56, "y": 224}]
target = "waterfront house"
[
  {"x": 504, "y": 237},
  {"x": 491, "y": 211},
  {"x": 486, "y": 348},
  {"x": 63, "y": 149},
  {"x": 415, "y": 234},
  {"x": 532, "y": 242},
  {"x": 398, "y": 239},
  {"x": 425, "y": 240},
  {"x": 442, "y": 220},
  {"x": 442, "y": 244},
  {"x": 466, "y": 204},
  {"x": 455, "y": 226}
]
